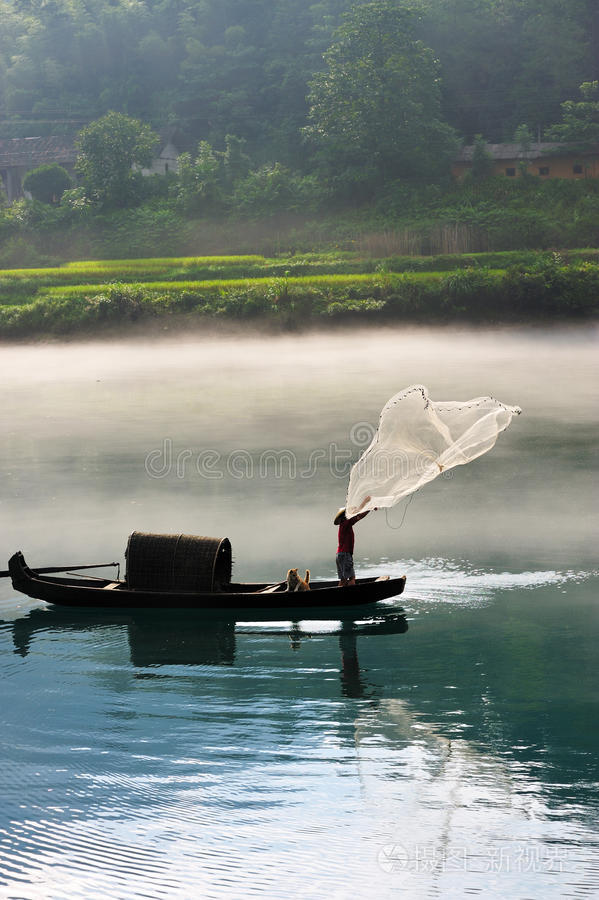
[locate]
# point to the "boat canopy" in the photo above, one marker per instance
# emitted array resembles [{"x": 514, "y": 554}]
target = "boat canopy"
[{"x": 177, "y": 562}]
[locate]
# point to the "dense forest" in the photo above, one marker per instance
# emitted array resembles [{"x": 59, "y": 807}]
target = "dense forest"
[
  {"x": 248, "y": 67},
  {"x": 343, "y": 117}
]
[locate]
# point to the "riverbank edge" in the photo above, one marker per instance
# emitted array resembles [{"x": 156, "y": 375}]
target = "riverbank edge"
[{"x": 543, "y": 295}]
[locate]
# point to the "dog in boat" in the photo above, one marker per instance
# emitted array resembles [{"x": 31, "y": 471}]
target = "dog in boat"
[{"x": 295, "y": 583}]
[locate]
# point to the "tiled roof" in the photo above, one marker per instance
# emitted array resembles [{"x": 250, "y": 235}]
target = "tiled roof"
[
  {"x": 36, "y": 151},
  {"x": 514, "y": 151}
]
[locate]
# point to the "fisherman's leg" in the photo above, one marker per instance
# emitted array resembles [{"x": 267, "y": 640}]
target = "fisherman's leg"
[
  {"x": 340, "y": 573},
  {"x": 351, "y": 575}
]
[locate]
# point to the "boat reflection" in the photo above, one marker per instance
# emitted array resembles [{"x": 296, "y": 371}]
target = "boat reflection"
[
  {"x": 185, "y": 641},
  {"x": 209, "y": 639}
]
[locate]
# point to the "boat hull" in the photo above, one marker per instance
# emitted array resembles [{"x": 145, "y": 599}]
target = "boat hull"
[{"x": 89, "y": 593}]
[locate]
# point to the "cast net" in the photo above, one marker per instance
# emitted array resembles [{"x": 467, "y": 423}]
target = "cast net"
[{"x": 417, "y": 439}]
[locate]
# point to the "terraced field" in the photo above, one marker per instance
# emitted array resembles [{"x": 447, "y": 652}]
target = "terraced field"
[{"x": 292, "y": 291}]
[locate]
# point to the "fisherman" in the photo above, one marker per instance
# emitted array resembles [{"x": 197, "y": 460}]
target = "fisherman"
[{"x": 345, "y": 548}]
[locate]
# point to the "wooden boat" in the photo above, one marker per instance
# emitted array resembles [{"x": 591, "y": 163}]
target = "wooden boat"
[{"x": 87, "y": 592}]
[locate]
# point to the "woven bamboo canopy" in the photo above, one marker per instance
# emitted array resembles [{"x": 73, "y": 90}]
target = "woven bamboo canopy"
[{"x": 177, "y": 562}]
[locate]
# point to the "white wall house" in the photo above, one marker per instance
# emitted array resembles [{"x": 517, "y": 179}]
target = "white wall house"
[
  {"x": 167, "y": 160},
  {"x": 19, "y": 155}
]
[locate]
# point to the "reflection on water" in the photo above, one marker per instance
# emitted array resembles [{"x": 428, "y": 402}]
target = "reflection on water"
[
  {"x": 434, "y": 581},
  {"x": 181, "y": 755},
  {"x": 204, "y": 638},
  {"x": 472, "y": 815},
  {"x": 151, "y": 753}
]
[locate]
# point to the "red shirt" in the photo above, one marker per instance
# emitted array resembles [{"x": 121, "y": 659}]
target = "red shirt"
[{"x": 346, "y": 533}]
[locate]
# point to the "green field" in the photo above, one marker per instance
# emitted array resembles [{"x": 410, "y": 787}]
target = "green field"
[{"x": 300, "y": 289}]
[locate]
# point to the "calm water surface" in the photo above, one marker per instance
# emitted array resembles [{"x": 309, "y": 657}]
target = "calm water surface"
[{"x": 445, "y": 746}]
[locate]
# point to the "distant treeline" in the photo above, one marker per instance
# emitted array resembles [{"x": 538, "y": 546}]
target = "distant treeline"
[
  {"x": 248, "y": 67},
  {"x": 304, "y": 125}
]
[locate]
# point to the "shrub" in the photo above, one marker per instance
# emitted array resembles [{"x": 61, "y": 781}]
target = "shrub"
[
  {"x": 274, "y": 188},
  {"x": 47, "y": 183},
  {"x": 20, "y": 251}
]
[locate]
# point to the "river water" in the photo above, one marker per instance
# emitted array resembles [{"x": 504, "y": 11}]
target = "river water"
[{"x": 443, "y": 746}]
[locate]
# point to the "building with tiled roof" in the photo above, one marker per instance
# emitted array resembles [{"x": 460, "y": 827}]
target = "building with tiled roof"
[
  {"x": 19, "y": 155},
  {"x": 543, "y": 158}
]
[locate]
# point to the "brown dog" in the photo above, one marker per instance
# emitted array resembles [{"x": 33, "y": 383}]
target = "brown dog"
[{"x": 295, "y": 583}]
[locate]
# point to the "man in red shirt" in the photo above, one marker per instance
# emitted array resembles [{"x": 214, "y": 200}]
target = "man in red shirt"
[{"x": 345, "y": 548}]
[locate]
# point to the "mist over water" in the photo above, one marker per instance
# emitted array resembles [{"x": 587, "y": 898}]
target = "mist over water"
[
  {"x": 188, "y": 755},
  {"x": 253, "y": 438}
]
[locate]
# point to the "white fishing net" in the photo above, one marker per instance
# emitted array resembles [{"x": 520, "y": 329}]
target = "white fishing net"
[{"x": 417, "y": 439}]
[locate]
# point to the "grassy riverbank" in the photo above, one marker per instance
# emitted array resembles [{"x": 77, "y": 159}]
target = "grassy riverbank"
[
  {"x": 495, "y": 214},
  {"x": 290, "y": 292}
]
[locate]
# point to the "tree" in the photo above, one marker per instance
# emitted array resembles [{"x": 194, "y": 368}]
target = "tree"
[
  {"x": 523, "y": 137},
  {"x": 508, "y": 61},
  {"x": 236, "y": 162},
  {"x": 47, "y": 183},
  {"x": 273, "y": 188},
  {"x": 482, "y": 161},
  {"x": 375, "y": 111},
  {"x": 580, "y": 120},
  {"x": 198, "y": 179},
  {"x": 111, "y": 151}
]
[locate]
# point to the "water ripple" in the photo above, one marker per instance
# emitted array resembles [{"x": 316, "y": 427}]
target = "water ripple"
[
  {"x": 319, "y": 760},
  {"x": 457, "y": 582}
]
